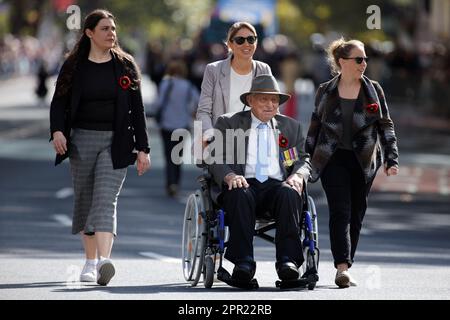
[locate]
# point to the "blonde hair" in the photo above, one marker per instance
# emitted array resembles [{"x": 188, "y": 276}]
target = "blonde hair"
[{"x": 340, "y": 48}]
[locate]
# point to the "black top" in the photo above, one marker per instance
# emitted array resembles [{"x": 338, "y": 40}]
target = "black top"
[
  {"x": 98, "y": 97},
  {"x": 130, "y": 133},
  {"x": 347, "y": 107}
]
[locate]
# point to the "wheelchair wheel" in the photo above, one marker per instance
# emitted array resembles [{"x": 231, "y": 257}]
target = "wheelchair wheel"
[
  {"x": 194, "y": 239},
  {"x": 209, "y": 271},
  {"x": 312, "y": 209},
  {"x": 310, "y": 267},
  {"x": 312, "y": 280}
]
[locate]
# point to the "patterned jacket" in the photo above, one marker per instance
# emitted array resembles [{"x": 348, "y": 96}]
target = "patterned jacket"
[{"x": 373, "y": 135}]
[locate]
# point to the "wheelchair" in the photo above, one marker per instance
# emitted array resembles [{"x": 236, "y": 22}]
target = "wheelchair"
[{"x": 205, "y": 234}]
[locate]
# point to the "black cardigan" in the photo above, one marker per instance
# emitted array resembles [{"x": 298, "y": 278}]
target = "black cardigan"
[{"x": 130, "y": 128}]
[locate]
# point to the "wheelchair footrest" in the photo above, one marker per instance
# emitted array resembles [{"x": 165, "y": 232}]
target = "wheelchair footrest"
[
  {"x": 307, "y": 280},
  {"x": 224, "y": 276},
  {"x": 290, "y": 284}
]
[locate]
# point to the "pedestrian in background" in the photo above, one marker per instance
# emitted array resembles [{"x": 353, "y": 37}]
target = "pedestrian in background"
[
  {"x": 97, "y": 120},
  {"x": 176, "y": 105},
  {"x": 41, "y": 88},
  {"x": 224, "y": 81},
  {"x": 350, "y": 136}
]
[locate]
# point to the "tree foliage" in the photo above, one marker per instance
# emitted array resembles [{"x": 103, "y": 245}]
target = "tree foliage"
[{"x": 299, "y": 18}]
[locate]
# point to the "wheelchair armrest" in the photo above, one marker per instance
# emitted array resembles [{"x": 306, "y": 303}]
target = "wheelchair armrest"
[
  {"x": 204, "y": 179},
  {"x": 203, "y": 165}
]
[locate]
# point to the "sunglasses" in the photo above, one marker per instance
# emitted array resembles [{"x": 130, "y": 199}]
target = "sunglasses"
[
  {"x": 241, "y": 40},
  {"x": 358, "y": 60}
]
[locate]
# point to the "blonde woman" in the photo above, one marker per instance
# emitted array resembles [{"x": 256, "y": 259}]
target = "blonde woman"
[{"x": 350, "y": 136}]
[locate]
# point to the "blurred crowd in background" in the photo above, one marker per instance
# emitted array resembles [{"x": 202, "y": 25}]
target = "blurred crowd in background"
[{"x": 413, "y": 65}]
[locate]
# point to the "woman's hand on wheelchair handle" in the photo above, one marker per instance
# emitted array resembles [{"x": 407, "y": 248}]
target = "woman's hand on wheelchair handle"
[{"x": 235, "y": 181}]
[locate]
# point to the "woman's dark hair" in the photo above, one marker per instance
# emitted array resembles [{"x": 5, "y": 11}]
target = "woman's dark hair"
[
  {"x": 340, "y": 48},
  {"x": 81, "y": 51},
  {"x": 236, "y": 27}
]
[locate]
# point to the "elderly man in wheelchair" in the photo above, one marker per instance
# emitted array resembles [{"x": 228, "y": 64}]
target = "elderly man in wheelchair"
[{"x": 264, "y": 175}]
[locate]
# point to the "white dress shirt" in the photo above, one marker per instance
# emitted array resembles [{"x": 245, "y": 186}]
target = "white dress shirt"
[{"x": 274, "y": 170}]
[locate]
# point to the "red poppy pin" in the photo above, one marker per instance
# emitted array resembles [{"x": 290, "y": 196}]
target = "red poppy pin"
[
  {"x": 125, "y": 82},
  {"x": 372, "y": 108},
  {"x": 282, "y": 141}
]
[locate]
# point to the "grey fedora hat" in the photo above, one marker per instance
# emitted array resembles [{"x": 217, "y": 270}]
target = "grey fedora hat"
[{"x": 265, "y": 83}]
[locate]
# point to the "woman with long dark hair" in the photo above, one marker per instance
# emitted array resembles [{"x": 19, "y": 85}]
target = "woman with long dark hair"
[
  {"x": 350, "y": 136},
  {"x": 97, "y": 119}
]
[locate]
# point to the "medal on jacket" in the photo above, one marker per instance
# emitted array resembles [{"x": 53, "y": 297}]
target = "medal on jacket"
[{"x": 289, "y": 156}]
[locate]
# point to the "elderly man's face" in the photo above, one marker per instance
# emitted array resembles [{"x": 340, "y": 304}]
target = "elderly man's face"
[{"x": 264, "y": 106}]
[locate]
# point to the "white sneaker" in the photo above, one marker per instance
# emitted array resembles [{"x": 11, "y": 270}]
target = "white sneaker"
[
  {"x": 342, "y": 279},
  {"x": 352, "y": 282},
  {"x": 105, "y": 271},
  {"x": 89, "y": 273}
]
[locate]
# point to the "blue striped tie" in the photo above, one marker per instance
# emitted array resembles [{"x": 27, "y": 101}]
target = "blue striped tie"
[{"x": 262, "y": 161}]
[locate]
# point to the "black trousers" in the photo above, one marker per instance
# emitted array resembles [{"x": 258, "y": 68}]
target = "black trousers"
[
  {"x": 242, "y": 206},
  {"x": 173, "y": 171},
  {"x": 347, "y": 192}
]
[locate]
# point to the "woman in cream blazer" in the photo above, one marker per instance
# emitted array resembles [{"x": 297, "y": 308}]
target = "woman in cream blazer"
[{"x": 224, "y": 81}]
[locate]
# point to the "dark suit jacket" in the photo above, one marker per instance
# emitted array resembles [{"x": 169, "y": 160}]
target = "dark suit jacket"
[
  {"x": 285, "y": 126},
  {"x": 373, "y": 131},
  {"x": 130, "y": 131}
]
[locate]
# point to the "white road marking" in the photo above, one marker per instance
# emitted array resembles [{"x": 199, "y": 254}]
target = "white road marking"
[
  {"x": 430, "y": 255},
  {"x": 63, "y": 219},
  {"x": 156, "y": 256},
  {"x": 366, "y": 232},
  {"x": 411, "y": 188},
  {"x": 64, "y": 193},
  {"x": 25, "y": 131},
  {"x": 443, "y": 182}
]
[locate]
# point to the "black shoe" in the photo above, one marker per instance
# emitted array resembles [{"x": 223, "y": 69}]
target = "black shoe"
[
  {"x": 287, "y": 270},
  {"x": 243, "y": 272}
]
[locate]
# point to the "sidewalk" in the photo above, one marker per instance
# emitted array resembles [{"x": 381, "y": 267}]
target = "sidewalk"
[
  {"x": 419, "y": 131},
  {"x": 424, "y": 154},
  {"x": 19, "y": 92},
  {"x": 415, "y": 179}
]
